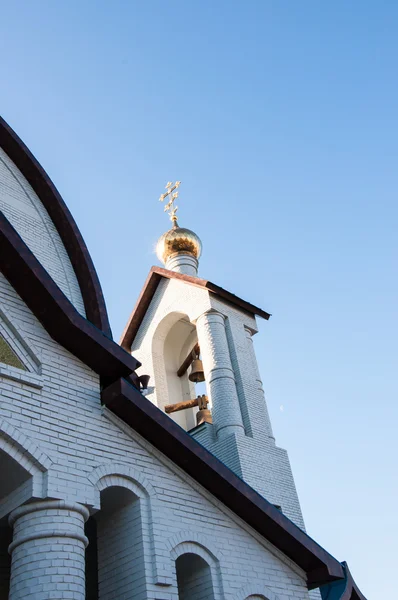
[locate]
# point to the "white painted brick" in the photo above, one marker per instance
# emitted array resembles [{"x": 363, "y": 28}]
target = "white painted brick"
[{"x": 67, "y": 442}]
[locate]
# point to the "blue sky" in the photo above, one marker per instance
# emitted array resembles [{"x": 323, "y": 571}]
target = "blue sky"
[{"x": 280, "y": 119}]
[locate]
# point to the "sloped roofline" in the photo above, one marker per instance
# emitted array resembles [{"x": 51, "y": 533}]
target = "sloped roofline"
[
  {"x": 63, "y": 322},
  {"x": 91, "y": 345},
  {"x": 70, "y": 235},
  {"x": 56, "y": 313},
  {"x": 346, "y": 589},
  {"x": 150, "y": 286}
]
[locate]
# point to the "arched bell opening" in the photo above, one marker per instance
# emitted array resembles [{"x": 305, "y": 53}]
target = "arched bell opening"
[
  {"x": 15, "y": 484},
  {"x": 178, "y": 390},
  {"x": 194, "y": 578},
  {"x": 115, "y": 565},
  {"x": 179, "y": 341}
]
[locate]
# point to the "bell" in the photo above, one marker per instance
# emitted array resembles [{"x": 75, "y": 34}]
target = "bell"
[
  {"x": 197, "y": 375},
  {"x": 203, "y": 416}
]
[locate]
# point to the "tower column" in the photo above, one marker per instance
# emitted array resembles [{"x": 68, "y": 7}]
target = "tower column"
[
  {"x": 260, "y": 423},
  {"x": 48, "y": 551},
  {"x": 182, "y": 263},
  {"x": 219, "y": 374}
]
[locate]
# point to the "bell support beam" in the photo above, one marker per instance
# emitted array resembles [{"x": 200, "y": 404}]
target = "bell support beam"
[
  {"x": 200, "y": 401},
  {"x": 188, "y": 361}
]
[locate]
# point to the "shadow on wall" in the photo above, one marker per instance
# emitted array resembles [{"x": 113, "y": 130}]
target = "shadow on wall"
[{"x": 194, "y": 578}]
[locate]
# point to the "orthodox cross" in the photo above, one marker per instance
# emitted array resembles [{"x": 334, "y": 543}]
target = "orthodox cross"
[{"x": 170, "y": 187}]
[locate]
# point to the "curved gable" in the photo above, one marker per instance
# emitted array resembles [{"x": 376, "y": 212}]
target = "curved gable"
[{"x": 33, "y": 205}]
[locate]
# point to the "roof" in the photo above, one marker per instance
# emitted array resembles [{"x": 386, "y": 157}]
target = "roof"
[
  {"x": 55, "y": 312},
  {"x": 156, "y": 274},
  {"x": 91, "y": 345},
  {"x": 70, "y": 235},
  {"x": 62, "y": 321},
  {"x": 345, "y": 589}
]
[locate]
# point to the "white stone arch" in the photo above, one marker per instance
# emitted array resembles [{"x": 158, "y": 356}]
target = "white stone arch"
[
  {"x": 28, "y": 455},
  {"x": 255, "y": 590},
  {"x": 168, "y": 354},
  {"x": 196, "y": 543},
  {"x": 119, "y": 475}
]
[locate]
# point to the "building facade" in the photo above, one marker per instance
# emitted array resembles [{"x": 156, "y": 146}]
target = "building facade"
[{"x": 105, "y": 492}]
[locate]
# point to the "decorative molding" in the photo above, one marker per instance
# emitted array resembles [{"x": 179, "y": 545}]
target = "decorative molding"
[{"x": 156, "y": 274}]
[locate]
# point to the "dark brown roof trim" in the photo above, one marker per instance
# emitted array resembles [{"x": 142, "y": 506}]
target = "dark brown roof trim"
[
  {"x": 70, "y": 235},
  {"x": 342, "y": 590},
  {"x": 156, "y": 427},
  {"x": 54, "y": 311},
  {"x": 149, "y": 289},
  {"x": 66, "y": 326}
]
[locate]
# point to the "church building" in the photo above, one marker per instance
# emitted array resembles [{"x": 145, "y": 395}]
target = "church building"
[{"x": 145, "y": 469}]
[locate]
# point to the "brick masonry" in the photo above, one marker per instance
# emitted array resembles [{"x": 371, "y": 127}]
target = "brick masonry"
[{"x": 74, "y": 454}]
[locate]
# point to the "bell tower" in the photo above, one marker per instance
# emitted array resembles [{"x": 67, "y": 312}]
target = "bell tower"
[{"x": 194, "y": 339}]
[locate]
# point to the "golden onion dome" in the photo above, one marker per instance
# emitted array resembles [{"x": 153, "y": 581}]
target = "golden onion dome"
[{"x": 178, "y": 240}]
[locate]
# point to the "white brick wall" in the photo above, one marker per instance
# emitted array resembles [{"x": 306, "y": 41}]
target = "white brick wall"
[
  {"x": 48, "y": 551},
  {"x": 71, "y": 440},
  {"x": 254, "y": 456},
  {"x": 27, "y": 214}
]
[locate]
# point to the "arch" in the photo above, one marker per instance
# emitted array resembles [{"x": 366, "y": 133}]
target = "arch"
[
  {"x": 64, "y": 223},
  {"x": 28, "y": 456},
  {"x": 22, "y": 449},
  {"x": 255, "y": 590},
  {"x": 174, "y": 336},
  {"x": 120, "y": 475},
  {"x": 102, "y": 476},
  {"x": 195, "y": 543}
]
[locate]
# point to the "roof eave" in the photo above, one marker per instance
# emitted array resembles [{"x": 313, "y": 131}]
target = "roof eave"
[
  {"x": 149, "y": 289},
  {"x": 184, "y": 451},
  {"x": 71, "y": 237}
]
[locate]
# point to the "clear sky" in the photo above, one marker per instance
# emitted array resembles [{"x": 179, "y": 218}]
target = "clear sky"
[{"x": 280, "y": 119}]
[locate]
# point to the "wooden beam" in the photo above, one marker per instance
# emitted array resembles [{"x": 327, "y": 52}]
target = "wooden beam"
[
  {"x": 201, "y": 401},
  {"x": 170, "y": 408},
  {"x": 188, "y": 361}
]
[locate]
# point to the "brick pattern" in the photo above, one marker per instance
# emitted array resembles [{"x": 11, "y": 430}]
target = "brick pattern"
[
  {"x": 76, "y": 453},
  {"x": 73, "y": 437},
  {"x": 194, "y": 578},
  {"x": 121, "y": 566},
  {"x": 26, "y": 213},
  {"x": 255, "y": 456},
  {"x": 219, "y": 374},
  {"x": 48, "y": 551}
]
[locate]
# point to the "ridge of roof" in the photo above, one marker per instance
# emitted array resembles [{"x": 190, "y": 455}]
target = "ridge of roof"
[
  {"x": 149, "y": 288},
  {"x": 60, "y": 215}
]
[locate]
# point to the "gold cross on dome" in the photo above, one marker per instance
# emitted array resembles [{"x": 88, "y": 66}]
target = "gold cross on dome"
[{"x": 170, "y": 187}]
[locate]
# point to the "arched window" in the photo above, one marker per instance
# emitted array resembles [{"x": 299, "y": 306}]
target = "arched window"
[
  {"x": 115, "y": 555},
  {"x": 194, "y": 578},
  {"x": 173, "y": 341}
]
